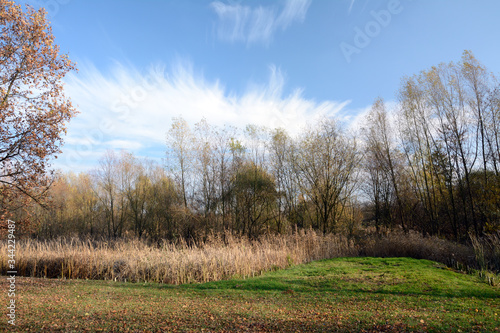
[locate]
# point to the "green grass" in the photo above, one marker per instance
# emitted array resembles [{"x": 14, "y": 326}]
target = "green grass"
[{"x": 345, "y": 294}]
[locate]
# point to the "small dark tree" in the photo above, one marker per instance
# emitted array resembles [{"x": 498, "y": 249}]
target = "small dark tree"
[{"x": 255, "y": 199}]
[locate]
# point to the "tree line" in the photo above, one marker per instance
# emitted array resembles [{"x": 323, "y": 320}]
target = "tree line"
[
  {"x": 215, "y": 179},
  {"x": 433, "y": 163},
  {"x": 429, "y": 162}
]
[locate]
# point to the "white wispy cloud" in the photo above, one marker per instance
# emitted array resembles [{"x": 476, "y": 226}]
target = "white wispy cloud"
[
  {"x": 239, "y": 23},
  {"x": 126, "y": 109}
]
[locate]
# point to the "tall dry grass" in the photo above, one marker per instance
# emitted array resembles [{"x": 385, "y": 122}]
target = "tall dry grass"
[
  {"x": 134, "y": 260},
  {"x": 227, "y": 256},
  {"x": 487, "y": 252},
  {"x": 413, "y": 245}
]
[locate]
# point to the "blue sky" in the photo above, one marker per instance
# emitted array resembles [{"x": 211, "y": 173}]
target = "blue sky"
[{"x": 275, "y": 63}]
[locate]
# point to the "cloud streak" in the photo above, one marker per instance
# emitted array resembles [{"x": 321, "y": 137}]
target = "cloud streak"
[
  {"x": 238, "y": 23},
  {"x": 126, "y": 109}
]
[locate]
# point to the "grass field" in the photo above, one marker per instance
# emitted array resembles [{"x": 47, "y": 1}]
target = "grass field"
[{"x": 343, "y": 294}]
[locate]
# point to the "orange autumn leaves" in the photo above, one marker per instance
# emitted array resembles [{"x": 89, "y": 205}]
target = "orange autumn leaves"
[{"x": 33, "y": 108}]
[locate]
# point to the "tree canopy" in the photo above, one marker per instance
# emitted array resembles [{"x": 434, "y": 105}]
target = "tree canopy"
[{"x": 33, "y": 108}]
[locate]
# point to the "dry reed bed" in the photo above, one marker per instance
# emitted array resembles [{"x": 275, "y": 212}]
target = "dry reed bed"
[
  {"x": 227, "y": 256},
  {"x": 135, "y": 260},
  {"x": 414, "y": 245}
]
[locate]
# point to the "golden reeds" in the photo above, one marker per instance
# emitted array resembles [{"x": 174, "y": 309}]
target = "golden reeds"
[{"x": 220, "y": 257}]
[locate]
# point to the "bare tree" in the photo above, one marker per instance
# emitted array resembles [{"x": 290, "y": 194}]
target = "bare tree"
[
  {"x": 280, "y": 148},
  {"x": 180, "y": 146},
  {"x": 206, "y": 171},
  {"x": 109, "y": 183},
  {"x": 325, "y": 164},
  {"x": 381, "y": 163}
]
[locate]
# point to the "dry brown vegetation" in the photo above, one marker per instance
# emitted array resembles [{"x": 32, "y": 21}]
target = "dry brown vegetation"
[
  {"x": 134, "y": 260},
  {"x": 221, "y": 257},
  {"x": 414, "y": 245}
]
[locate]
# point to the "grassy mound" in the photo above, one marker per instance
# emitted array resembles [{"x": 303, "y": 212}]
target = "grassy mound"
[{"x": 343, "y": 294}]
